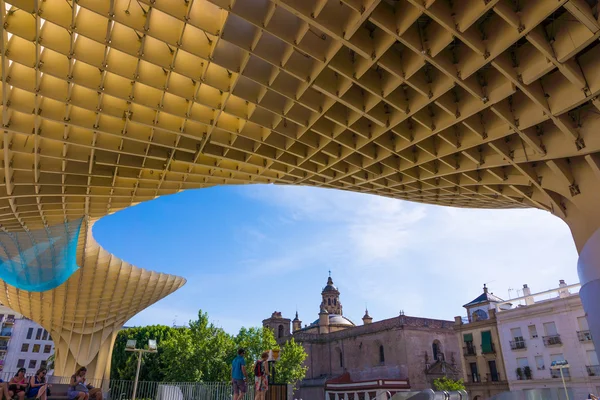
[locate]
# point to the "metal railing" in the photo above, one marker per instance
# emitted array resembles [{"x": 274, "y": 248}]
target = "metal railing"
[
  {"x": 493, "y": 377},
  {"x": 123, "y": 390},
  {"x": 474, "y": 378},
  {"x": 593, "y": 370},
  {"x": 552, "y": 340},
  {"x": 584, "y": 336},
  {"x": 469, "y": 351},
  {"x": 518, "y": 344}
]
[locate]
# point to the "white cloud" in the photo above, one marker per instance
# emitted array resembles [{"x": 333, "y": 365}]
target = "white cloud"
[{"x": 427, "y": 260}]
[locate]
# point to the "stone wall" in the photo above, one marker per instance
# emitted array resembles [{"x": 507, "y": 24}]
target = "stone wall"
[{"x": 405, "y": 342}]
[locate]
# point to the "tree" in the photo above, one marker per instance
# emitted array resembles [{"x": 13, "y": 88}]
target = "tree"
[
  {"x": 255, "y": 341},
  {"x": 290, "y": 369},
  {"x": 448, "y": 385},
  {"x": 200, "y": 353},
  {"x": 124, "y": 363}
]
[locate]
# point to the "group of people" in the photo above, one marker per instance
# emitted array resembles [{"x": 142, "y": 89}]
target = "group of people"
[
  {"x": 36, "y": 387},
  {"x": 239, "y": 376}
]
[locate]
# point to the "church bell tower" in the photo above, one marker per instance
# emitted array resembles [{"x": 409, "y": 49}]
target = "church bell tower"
[{"x": 331, "y": 298}]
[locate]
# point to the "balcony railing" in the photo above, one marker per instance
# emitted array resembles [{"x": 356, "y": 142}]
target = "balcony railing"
[
  {"x": 555, "y": 373},
  {"x": 9, "y": 321},
  {"x": 474, "y": 378},
  {"x": 593, "y": 370},
  {"x": 469, "y": 351},
  {"x": 584, "y": 336},
  {"x": 493, "y": 377},
  {"x": 5, "y": 334},
  {"x": 3, "y": 348},
  {"x": 518, "y": 344},
  {"x": 491, "y": 350},
  {"x": 552, "y": 340}
]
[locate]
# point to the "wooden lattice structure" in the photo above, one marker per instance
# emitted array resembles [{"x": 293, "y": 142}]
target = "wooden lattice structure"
[{"x": 107, "y": 103}]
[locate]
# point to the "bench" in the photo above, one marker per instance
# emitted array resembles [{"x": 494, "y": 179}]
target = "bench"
[{"x": 58, "y": 391}]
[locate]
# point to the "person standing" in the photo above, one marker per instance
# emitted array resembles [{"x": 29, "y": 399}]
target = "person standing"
[
  {"x": 239, "y": 375},
  {"x": 261, "y": 377}
]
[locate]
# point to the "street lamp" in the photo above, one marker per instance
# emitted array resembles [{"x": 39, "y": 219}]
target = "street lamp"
[
  {"x": 152, "y": 348},
  {"x": 559, "y": 365}
]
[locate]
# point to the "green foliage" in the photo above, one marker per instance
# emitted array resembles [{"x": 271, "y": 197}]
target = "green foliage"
[
  {"x": 202, "y": 352},
  {"x": 290, "y": 367},
  {"x": 124, "y": 363},
  {"x": 255, "y": 341},
  {"x": 448, "y": 385},
  {"x": 50, "y": 362}
]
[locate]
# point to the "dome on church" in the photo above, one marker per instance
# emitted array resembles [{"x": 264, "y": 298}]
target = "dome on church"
[
  {"x": 336, "y": 319},
  {"x": 330, "y": 286}
]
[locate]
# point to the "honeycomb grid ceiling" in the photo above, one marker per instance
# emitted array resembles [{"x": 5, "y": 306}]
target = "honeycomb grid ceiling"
[{"x": 466, "y": 103}]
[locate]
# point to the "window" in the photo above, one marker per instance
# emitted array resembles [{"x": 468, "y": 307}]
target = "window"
[
  {"x": 592, "y": 357},
  {"x": 47, "y": 348},
  {"x": 532, "y": 331},
  {"x": 43, "y": 364},
  {"x": 38, "y": 334},
  {"x": 469, "y": 347},
  {"x": 280, "y": 331},
  {"x": 583, "y": 324},
  {"x": 328, "y": 302},
  {"x": 20, "y": 363},
  {"x": 10, "y": 316},
  {"x": 494, "y": 376},
  {"x": 474, "y": 373},
  {"x": 437, "y": 351},
  {"x": 522, "y": 362},
  {"x": 486, "y": 342},
  {"x": 32, "y": 363},
  {"x": 381, "y": 355},
  {"x": 334, "y": 302},
  {"x": 36, "y": 348},
  {"x": 29, "y": 333},
  {"x": 25, "y": 347},
  {"x": 1, "y": 316},
  {"x": 516, "y": 334},
  {"x": 45, "y": 336},
  {"x": 341, "y": 359},
  {"x": 550, "y": 329},
  {"x": 539, "y": 362},
  {"x": 555, "y": 372}
]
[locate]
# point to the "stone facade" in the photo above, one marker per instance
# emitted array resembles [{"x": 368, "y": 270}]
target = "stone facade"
[{"x": 417, "y": 350}]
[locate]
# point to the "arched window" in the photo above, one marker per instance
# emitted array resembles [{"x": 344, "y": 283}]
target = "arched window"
[
  {"x": 341, "y": 359},
  {"x": 334, "y": 302},
  {"x": 435, "y": 351},
  {"x": 280, "y": 333},
  {"x": 381, "y": 355},
  {"x": 329, "y": 302}
]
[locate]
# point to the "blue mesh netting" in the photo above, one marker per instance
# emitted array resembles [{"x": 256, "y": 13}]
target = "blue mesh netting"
[{"x": 40, "y": 260}]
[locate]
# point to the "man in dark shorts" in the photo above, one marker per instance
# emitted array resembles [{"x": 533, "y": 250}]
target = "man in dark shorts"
[{"x": 239, "y": 375}]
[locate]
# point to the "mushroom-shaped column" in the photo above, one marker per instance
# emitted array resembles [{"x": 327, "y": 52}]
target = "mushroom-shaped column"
[{"x": 86, "y": 311}]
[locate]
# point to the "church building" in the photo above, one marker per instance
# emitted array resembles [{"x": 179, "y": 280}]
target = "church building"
[{"x": 397, "y": 354}]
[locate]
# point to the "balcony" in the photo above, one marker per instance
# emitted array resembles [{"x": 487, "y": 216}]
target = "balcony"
[
  {"x": 491, "y": 350},
  {"x": 469, "y": 351},
  {"x": 518, "y": 344},
  {"x": 9, "y": 321},
  {"x": 593, "y": 370},
  {"x": 474, "y": 378},
  {"x": 492, "y": 377},
  {"x": 552, "y": 340},
  {"x": 5, "y": 334},
  {"x": 555, "y": 373},
  {"x": 3, "y": 348},
  {"x": 584, "y": 336}
]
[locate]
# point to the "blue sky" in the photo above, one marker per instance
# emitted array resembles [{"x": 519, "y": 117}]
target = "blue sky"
[{"x": 247, "y": 251}]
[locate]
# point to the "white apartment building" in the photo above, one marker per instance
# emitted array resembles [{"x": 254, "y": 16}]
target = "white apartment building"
[
  {"x": 544, "y": 327},
  {"x": 23, "y": 343}
]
